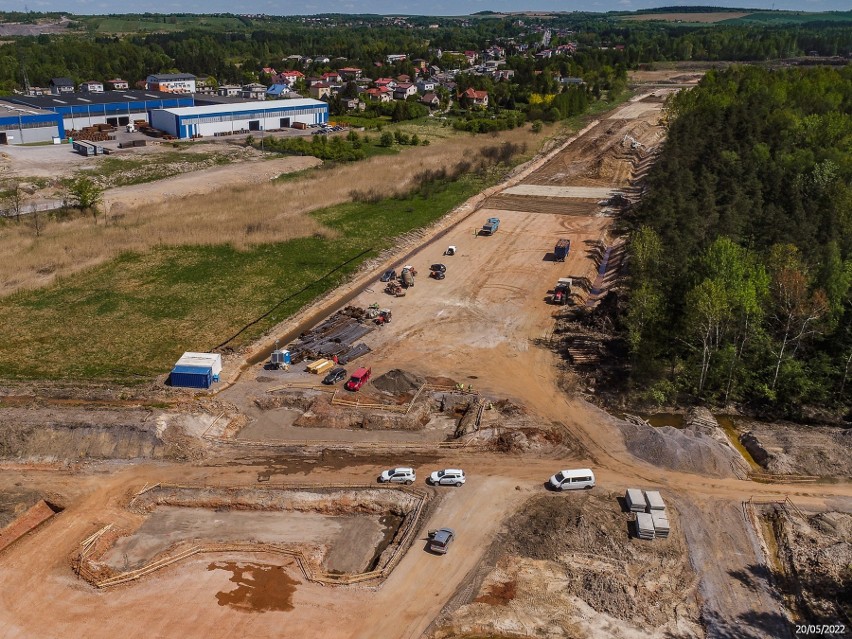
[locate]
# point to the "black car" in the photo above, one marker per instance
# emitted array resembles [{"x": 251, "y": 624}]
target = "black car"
[
  {"x": 388, "y": 275},
  {"x": 335, "y": 375},
  {"x": 438, "y": 268},
  {"x": 438, "y": 275}
]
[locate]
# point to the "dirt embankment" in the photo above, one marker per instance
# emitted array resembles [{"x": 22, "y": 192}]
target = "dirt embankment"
[
  {"x": 785, "y": 448},
  {"x": 67, "y": 435},
  {"x": 568, "y": 567},
  {"x": 815, "y": 556}
]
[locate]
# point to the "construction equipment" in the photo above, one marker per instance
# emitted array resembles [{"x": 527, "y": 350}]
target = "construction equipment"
[
  {"x": 407, "y": 277},
  {"x": 560, "y": 252},
  {"x": 395, "y": 289},
  {"x": 384, "y": 317},
  {"x": 491, "y": 226},
  {"x": 562, "y": 291}
]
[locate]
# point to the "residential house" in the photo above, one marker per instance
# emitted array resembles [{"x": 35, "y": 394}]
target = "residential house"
[
  {"x": 396, "y": 57},
  {"x": 425, "y": 86},
  {"x": 59, "y": 86},
  {"x": 288, "y": 77},
  {"x": 92, "y": 86},
  {"x": 390, "y": 83},
  {"x": 332, "y": 77},
  {"x": 403, "y": 78},
  {"x": 419, "y": 63},
  {"x": 475, "y": 98},
  {"x": 322, "y": 59},
  {"x": 350, "y": 73},
  {"x": 320, "y": 90},
  {"x": 431, "y": 100},
  {"x": 570, "y": 81},
  {"x": 253, "y": 91},
  {"x": 471, "y": 56},
  {"x": 503, "y": 74},
  {"x": 270, "y": 71},
  {"x": 277, "y": 91},
  {"x": 404, "y": 91},
  {"x": 378, "y": 94},
  {"x": 33, "y": 91},
  {"x": 117, "y": 84},
  {"x": 229, "y": 90},
  {"x": 172, "y": 82},
  {"x": 354, "y": 104},
  {"x": 141, "y": 84}
]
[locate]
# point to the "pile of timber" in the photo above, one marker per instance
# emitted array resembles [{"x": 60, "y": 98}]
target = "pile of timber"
[
  {"x": 336, "y": 336},
  {"x": 97, "y": 133}
]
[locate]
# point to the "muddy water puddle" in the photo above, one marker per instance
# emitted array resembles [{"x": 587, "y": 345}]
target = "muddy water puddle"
[
  {"x": 330, "y": 459},
  {"x": 260, "y": 587}
]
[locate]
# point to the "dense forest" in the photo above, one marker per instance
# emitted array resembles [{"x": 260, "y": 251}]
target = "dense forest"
[
  {"x": 237, "y": 54},
  {"x": 741, "y": 259}
]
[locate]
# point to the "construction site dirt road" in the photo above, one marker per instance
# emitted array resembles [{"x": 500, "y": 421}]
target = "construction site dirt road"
[{"x": 482, "y": 326}]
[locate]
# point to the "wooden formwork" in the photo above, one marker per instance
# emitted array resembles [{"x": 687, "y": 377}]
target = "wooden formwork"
[{"x": 82, "y": 562}]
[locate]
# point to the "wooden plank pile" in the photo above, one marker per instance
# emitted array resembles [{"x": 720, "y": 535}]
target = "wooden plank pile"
[{"x": 96, "y": 133}]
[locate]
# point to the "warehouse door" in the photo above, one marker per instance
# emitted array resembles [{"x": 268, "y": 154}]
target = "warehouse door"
[
  {"x": 285, "y": 123},
  {"x": 124, "y": 120},
  {"x": 112, "y": 121},
  {"x": 254, "y": 125},
  {"x": 3, "y": 138}
]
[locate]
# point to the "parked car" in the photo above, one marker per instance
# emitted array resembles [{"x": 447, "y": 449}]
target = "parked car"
[
  {"x": 440, "y": 540},
  {"x": 358, "y": 379},
  {"x": 388, "y": 275},
  {"x": 438, "y": 275},
  {"x": 335, "y": 375},
  {"x": 440, "y": 268},
  {"x": 405, "y": 476},
  {"x": 447, "y": 477},
  {"x": 572, "y": 479}
]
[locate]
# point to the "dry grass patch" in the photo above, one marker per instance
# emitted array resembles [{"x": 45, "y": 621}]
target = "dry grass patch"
[{"x": 243, "y": 217}]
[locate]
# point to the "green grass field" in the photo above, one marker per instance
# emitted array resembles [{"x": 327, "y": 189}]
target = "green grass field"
[
  {"x": 130, "y": 319},
  {"x": 158, "y": 24},
  {"x": 792, "y": 17},
  {"x": 126, "y": 171}
]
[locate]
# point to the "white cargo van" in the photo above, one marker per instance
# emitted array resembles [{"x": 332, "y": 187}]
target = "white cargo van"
[{"x": 572, "y": 479}]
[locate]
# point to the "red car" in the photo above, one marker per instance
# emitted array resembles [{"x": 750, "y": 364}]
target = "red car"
[{"x": 358, "y": 379}]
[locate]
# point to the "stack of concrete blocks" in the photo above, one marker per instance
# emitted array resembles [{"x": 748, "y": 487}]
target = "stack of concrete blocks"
[
  {"x": 657, "y": 510},
  {"x": 635, "y": 499}
]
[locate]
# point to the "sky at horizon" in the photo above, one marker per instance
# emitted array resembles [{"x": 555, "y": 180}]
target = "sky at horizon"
[{"x": 391, "y": 7}]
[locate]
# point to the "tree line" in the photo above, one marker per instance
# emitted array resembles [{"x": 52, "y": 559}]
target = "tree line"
[{"x": 741, "y": 255}]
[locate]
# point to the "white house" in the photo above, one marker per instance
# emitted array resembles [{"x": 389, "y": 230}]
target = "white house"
[
  {"x": 92, "y": 86},
  {"x": 171, "y": 82}
]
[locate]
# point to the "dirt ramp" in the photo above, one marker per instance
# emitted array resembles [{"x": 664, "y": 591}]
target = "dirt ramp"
[{"x": 30, "y": 520}]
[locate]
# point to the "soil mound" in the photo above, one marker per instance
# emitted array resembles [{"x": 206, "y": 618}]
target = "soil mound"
[
  {"x": 681, "y": 450},
  {"x": 398, "y": 382}
]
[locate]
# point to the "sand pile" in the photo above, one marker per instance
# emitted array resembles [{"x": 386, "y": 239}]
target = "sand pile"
[
  {"x": 398, "y": 382},
  {"x": 681, "y": 450}
]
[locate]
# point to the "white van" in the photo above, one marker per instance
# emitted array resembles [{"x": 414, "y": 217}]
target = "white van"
[{"x": 571, "y": 479}]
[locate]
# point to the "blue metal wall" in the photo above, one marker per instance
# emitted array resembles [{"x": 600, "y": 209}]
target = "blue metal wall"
[{"x": 46, "y": 119}]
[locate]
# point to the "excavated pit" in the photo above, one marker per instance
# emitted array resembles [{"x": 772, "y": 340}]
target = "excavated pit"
[{"x": 335, "y": 534}]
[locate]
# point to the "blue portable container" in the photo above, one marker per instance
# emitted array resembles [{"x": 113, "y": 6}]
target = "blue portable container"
[{"x": 191, "y": 376}]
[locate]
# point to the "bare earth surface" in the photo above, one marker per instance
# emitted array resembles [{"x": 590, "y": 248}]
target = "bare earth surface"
[{"x": 480, "y": 325}]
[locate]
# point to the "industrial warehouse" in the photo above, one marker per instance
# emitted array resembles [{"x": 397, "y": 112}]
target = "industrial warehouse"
[
  {"x": 117, "y": 108},
  {"x": 244, "y": 117},
  {"x": 28, "y": 125}
]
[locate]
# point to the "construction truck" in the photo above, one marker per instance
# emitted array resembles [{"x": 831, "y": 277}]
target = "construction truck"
[
  {"x": 562, "y": 291},
  {"x": 491, "y": 226},
  {"x": 561, "y": 250},
  {"x": 407, "y": 277}
]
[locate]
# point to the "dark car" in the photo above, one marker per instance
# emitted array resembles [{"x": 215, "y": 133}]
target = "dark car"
[
  {"x": 440, "y": 540},
  {"x": 438, "y": 275},
  {"x": 335, "y": 375},
  {"x": 388, "y": 275},
  {"x": 438, "y": 268}
]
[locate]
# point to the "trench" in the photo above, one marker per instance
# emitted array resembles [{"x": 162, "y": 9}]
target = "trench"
[{"x": 391, "y": 523}]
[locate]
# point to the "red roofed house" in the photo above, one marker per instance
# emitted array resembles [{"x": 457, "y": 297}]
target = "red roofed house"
[
  {"x": 476, "y": 98},
  {"x": 350, "y": 73},
  {"x": 379, "y": 94},
  {"x": 403, "y": 78},
  {"x": 390, "y": 83},
  {"x": 332, "y": 77},
  {"x": 320, "y": 90},
  {"x": 269, "y": 71}
]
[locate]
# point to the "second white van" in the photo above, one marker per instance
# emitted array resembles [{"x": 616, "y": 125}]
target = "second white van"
[{"x": 572, "y": 479}]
